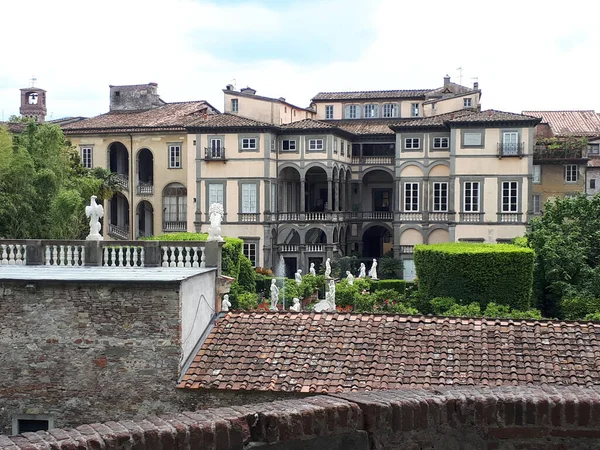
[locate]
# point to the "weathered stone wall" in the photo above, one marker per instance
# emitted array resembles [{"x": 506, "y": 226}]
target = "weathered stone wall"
[
  {"x": 471, "y": 418},
  {"x": 88, "y": 352}
]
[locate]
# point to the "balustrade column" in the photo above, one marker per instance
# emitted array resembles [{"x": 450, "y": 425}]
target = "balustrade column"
[
  {"x": 329, "y": 194},
  {"x": 302, "y": 195}
]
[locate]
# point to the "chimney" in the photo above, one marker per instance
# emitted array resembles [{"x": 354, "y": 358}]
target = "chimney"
[
  {"x": 282, "y": 99},
  {"x": 476, "y": 85},
  {"x": 446, "y": 80},
  {"x": 229, "y": 87},
  {"x": 248, "y": 90},
  {"x": 489, "y": 113},
  {"x": 136, "y": 97}
]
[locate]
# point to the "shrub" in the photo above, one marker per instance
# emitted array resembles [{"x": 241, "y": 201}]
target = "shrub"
[
  {"x": 577, "y": 306},
  {"x": 398, "y": 285},
  {"x": 263, "y": 283},
  {"x": 389, "y": 267},
  {"x": 247, "y": 275},
  {"x": 310, "y": 284},
  {"x": 390, "y": 295},
  {"x": 484, "y": 273},
  {"x": 248, "y": 301}
]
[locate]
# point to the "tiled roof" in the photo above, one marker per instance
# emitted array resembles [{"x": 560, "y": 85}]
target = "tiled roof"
[
  {"x": 307, "y": 124},
  {"x": 593, "y": 162},
  {"x": 577, "y": 123},
  {"x": 13, "y": 127},
  {"x": 226, "y": 120},
  {"x": 171, "y": 115},
  {"x": 433, "y": 121},
  {"x": 310, "y": 352},
  {"x": 492, "y": 115},
  {"x": 368, "y": 95},
  {"x": 449, "y": 91},
  {"x": 366, "y": 127},
  {"x": 268, "y": 99}
]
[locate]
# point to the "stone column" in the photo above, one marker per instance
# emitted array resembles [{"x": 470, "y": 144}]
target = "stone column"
[
  {"x": 343, "y": 197},
  {"x": 360, "y": 191},
  {"x": 302, "y": 195},
  {"x": 329, "y": 194},
  {"x": 336, "y": 207}
]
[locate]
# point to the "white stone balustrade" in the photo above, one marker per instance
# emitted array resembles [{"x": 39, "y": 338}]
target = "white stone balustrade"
[
  {"x": 13, "y": 254},
  {"x": 64, "y": 255},
  {"x": 123, "y": 256},
  {"x": 183, "y": 256}
]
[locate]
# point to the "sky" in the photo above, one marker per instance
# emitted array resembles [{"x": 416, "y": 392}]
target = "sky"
[{"x": 526, "y": 55}]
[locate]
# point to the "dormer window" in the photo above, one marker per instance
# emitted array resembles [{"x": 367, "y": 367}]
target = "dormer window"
[
  {"x": 371, "y": 111},
  {"x": 468, "y": 102},
  {"x": 234, "y": 105},
  {"x": 414, "y": 109},
  {"x": 390, "y": 110},
  {"x": 352, "y": 112}
]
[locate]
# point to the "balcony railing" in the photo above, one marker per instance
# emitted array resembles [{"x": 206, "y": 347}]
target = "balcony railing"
[
  {"x": 378, "y": 160},
  {"x": 145, "y": 188},
  {"x": 122, "y": 180},
  {"x": 174, "y": 226},
  {"x": 411, "y": 217},
  {"x": 288, "y": 248},
  {"x": 510, "y": 149},
  {"x": 214, "y": 154},
  {"x": 407, "y": 249},
  {"x": 471, "y": 217},
  {"x": 249, "y": 217},
  {"x": 509, "y": 217},
  {"x": 375, "y": 215},
  {"x": 118, "y": 232},
  {"x": 438, "y": 217},
  {"x": 542, "y": 152},
  {"x": 315, "y": 247}
]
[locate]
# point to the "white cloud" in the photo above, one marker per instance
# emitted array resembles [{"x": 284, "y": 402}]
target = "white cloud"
[{"x": 526, "y": 55}]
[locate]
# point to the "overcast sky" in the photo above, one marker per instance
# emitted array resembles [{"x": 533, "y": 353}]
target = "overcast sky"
[{"x": 526, "y": 54}]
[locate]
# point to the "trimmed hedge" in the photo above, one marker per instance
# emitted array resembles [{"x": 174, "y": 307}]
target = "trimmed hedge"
[{"x": 482, "y": 273}]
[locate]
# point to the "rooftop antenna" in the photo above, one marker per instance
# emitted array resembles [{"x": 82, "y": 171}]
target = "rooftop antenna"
[
  {"x": 33, "y": 80},
  {"x": 234, "y": 82},
  {"x": 460, "y": 75}
]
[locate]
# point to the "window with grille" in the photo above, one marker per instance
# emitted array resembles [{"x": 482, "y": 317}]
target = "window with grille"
[
  {"x": 352, "y": 112},
  {"x": 414, "y": 109},
  {"x": 537, "y": 173},
  {"x": 510, "y": 196},
  {"x": 175, "y": 203},
  {"x": 412, "y": 143},
  {"x": 86, "y": 157},
  {"x": 467, "y": 102},
  {"x": 537, "y": 204},
  {"x": 249, "y": 205},
  {"x": 440, "y": 197},
  {"x": 249, "y": 144},
  {"x": 288, "y": 145},
  {"x": 441, "y": 142},
  {"x": 390, "y": 110},
  {"x": 215, "y": 194},
  {"x": 329, "y": 111},
  {"x": 571, "y": 173},
  {"x": 471, "y": 196},
  {"x": 174, "y": 156},
  {"x": 250, "y": 252},
  {"x": 370, "y": 111},
  {"x": 411, "y": 197},
  {"x": 234, "y": 105},
  {"x": 315, "y": 144}
]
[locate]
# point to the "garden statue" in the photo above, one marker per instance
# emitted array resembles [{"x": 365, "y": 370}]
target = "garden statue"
[
  {"x": 373, "y": 271},
  {"x": 215, "y": 214},
  {"x": 225, "y": 304},
  {"x": 296, "y": 306},
  {"x": 274, "y": 295},
  {"x": 298, "y": 277},
  {"x": 332, "y": 294},
  {"x": 349, "y": 277},
  {"x": 363, "y": 271},
  {"x": 328, "y": 268},
  {"x": 312, "y": 270},
  {"x": 95, "y": 212}
]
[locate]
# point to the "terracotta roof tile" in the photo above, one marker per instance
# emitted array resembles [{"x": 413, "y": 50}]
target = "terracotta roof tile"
[
  {"x": 368, "y": 95},
  {"x": 366, "y": 127},
  {"x": 563, "y": 123},
  {"x": 350, "y": 352},
  {"x": 226, "y": 120},
  {"x": 308, "y": 124},
  {"x": 492, "y": 115}
]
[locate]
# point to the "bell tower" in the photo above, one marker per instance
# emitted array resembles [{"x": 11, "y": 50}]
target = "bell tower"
[{"x": 33, "y": 102}]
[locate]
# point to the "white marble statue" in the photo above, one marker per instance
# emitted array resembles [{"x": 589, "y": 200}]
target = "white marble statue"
[
  {"x": 225, "y": 304},
  {"x": 274, "y": 295},
  {"x": 363, "y": 271},
  {"x": 328, "y": 268},
  {"x": 349, "y": 277},
  {"x": 95, "y": 212},
  {"x": 373, "y": 270},
  {"x": 327, "y": 305},
  {"x": 296, "y": 306},
  {"x": 215, "y": 214},
  {"x": 298, "y": 277},
  {"x": 312, "y": 270},
  {"x": 332, "y": 294}
]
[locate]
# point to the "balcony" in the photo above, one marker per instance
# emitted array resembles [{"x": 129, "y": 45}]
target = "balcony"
[
  {"x": 411, "y": 217},
  {"x": 471, "y": 217},
  {"x": 118, "y": 232},
  {"x": 122, "y": 180},
  {"x": 439, "y": 217},
  {"x": 174, "y": 226},
  {"x": 249, "y": 217},
  {"x": 407, "y": 249},
  {"x": 214, "y": 154},
  {"x": 145, "y": 188},
  {"x": 507, "y": 149},
  {"x": 558, "y": 154},
  {"x": 509, "y": 217},
  {"x": 376, "y": 160}
]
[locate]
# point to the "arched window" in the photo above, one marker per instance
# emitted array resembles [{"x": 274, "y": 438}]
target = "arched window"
[{"x": 175, "y": 206}]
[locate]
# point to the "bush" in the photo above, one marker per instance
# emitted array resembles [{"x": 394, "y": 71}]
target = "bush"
[
  {"x": 247, "y": 275},
  {"x": 248, "y": 301},
  {"x": 263, "y": 284},
  {"x": 398, "y": 285},
  {"x": 577, "y": 306},
  {"x": 483, "y": 273},
  {"x": 389, "y": 267},
  {"x": 310, "y": 284}
]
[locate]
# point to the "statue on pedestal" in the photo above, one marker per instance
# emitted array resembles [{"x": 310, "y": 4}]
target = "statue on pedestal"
[
  {"x": 328, "y": 268},
  {"x": 332, "y": 294},
  {"x": 296, "y": 306},
  {"x": 363, "y": 271},
  {"x": 312, "y": 270},
  {"x": 225, "y": 304},
  {"x": 95, "y": 212},
  {"x": 349, "y": 277},
  {"x": 298, "y": 277},
  {"x": 274, "y": 295},
  {"x": 373, "y": 271},
  {"x": 215, "y": 213}
]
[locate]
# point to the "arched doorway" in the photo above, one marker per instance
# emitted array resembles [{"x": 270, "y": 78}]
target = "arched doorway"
[
  {"x": 145, "y": 216},
  {"x": 289, "y": 190},
  {"x": 119, "y": 217},
  {"x": 175, "y": 207},
  {"x": 118, "y": 157},
  {"x": 317, "y": 190},
  {"x": 377, "y": 241},
  {"x": 378, "y": 192},
  {"x": 145, "y": 175}
]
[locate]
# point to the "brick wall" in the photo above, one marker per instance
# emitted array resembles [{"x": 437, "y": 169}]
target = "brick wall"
[
  {"x": 454, "y": 418},
  {"x": 88, "y": 352}
]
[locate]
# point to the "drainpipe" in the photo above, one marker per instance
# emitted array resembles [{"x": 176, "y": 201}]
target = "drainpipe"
[
  {"x": 131, "y": 190},
  {"x": 276, "y": 212}
]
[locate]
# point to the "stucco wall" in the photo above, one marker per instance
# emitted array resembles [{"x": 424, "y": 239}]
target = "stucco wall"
[{"x": 553, "y": 184}]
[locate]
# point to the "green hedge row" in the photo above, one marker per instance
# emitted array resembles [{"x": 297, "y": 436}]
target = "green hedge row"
[{"x": 482, "y": 273}]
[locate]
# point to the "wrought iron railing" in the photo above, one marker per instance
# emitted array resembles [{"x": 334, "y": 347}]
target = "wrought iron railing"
[
  {"x": 214, "y": 154},
  {"x": 510, "y": 149}
]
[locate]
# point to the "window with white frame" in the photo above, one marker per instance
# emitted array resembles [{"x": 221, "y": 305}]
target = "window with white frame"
[
  {"x": 472, "y": 139},
  {"x": 352, "y": 112},
  {"x": 411, "y": 197},
  {"x": 414, "y": 109},
  {"x": 215, "y": 194},
  {"x": 370, "y": 111},
  {"x": 440, "y": 197},
  {"x": 412, "y": 143},
  {"x": 216, "y": 148},
  {"x": 175, "y": 203},
  {"x": 537, "y": 173},
  {"x": 571, "y": 173},
  {"x": 249, "y": 144},
  {"x": 249, "y": 205},
  {"x": 329, "y": 111},
  {"x": 441, "y": 142},
  {"x": 315, "y": 144},
  {"x": 288, "y": 145},
  {"x": 537, "y": 203},
  {"x": 594, "y": 149},
  {"x": 174, "y": 156},
  {"x": 86, "y": 157},
  {"x": 471, "y": 196},
  {"x": 343, "y": 145},
  {"x": 390, "y": 110},
  {"x": 335, "y": 144},
  {"x": 250, "y": 252},
  {"x": 467, "y": 102},
  {"x": 510, "y": 196},
  {"x": 234, "y": 105}
]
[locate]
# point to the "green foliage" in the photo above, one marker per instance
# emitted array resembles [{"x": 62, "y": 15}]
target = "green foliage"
[
  {"x": 246, "y": 277},
  {"x": 577, "y": 306},
  {"x": 310, "y": 284},
  {"x": 247, "y": 301},
  {"x": 448, "y": 306},
  {"x": 389, "y": 267},
  {"x": 482, "y": 273},
  {"x": 398, "y": 285},
  {"x": 262, "y": 283},
  {"x": 594, "y": 317}
]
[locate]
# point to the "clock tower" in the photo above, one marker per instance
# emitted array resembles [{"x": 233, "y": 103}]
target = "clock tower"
[{"x": 33, "y": 102}]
